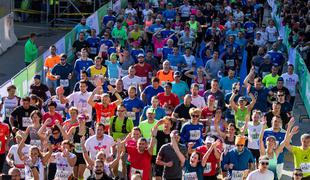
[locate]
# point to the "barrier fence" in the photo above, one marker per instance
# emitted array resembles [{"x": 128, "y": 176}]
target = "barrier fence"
[
  {"x": 24, "y": 78},
  {"x": 7, "y": 34},
  {"x": 294, "y": 56}
]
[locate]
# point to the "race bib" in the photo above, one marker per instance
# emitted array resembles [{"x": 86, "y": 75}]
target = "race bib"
[
  {"x": 26, "y": 121},
  {"x": 230, "y": 62},
  {"x": 93, "y": 50},
  {"x": 62, "y": 175},
  {"x": 105, "y": 120},
  {"x": 236, "y": 175},
  {"x": 201, "y": 87},
  {"x": 143, "y": 80},
  {"x": 78, "y": 148},
  {"x": 190, "y": 176},
  {"x": 131, "y": 115},
  {"x": 22, "y": 172},
  {"x": 35, "y": 143},
  {"x": 134, "y": 171},
  {"x": 254, "y": 136},
  {"x": 305, "y": 167},
  {"x": 64, "y": 82},
  {"x": 194, "y": 134},
  {"x": 240, "y": 124},
  {"x": 8, "y": 112},
  {"x": 208, "y": 168}
]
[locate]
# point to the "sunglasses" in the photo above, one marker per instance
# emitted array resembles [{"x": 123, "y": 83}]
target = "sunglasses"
[
  {"x": 264, "y": 163},
  {"x": 54, "y": 133},
  {"x": 62, "y": 59},
  {"x": 239, "y": 145},
  {"x": 121, "y": 110},
  {"x": 280, "y": 95},
  {"x": 195, "y": 116},
  {"x": 298, "y": 174}
]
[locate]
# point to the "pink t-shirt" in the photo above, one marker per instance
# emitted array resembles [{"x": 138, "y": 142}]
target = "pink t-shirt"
[{"x": 158, "y": 46}]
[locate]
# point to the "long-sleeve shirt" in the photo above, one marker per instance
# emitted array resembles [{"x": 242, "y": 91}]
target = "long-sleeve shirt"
[{"x": 31, "y": 51}]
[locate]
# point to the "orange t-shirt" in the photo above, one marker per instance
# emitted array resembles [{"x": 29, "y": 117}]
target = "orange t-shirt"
[
  {"x": 105, "y": 113},
  {"x": 165, "y": 77},
  {"x": 4, "y": 131},
  {"x": 50, "y": 62}
]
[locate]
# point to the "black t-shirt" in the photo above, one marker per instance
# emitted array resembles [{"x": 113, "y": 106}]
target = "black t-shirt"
[
  {"x": 270, "y": 115},
  {"x": 90, "y": 86},
  {"x": 284, "y": 89},
  {"x": 78, "y": 45},
  {"x": 183, "y": 111},
  {"x": 162, "y": 139},
  {"x": 104, "y": 177},
  {"x": 123, "y": 94},
  {"x": 40, "y": 91},
  {"x": 22, "y": 117}
]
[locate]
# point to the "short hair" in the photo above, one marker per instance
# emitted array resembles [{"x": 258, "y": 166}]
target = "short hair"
[
  {"x": 11, "y": 87},
  {"x": 11, "y": 170},
  {"x": 63, "y": 56},
  {"x": 32, "y": 35},
  {"x": 97, "y": 57},
  {"x": 83, "y": 82},
  {"x": 100, "y": 124},
  {"x": 143, "y": 139},
  {"x": 195, "y": 85},
  {"x": 155, "y": 79},
  {"x": 214, "y": 80},
  {"x": 73, "y": 109},
  {"x": 27, "y": 98},
  {"x": 136, "y": 129},
  {"x": 258, "y": 79},
  {"x": 52, "y": 103},
  {"x": 194, "y": 110},
  {"x": 304, "y": 136},
  {"x": 291, "y": 65}
]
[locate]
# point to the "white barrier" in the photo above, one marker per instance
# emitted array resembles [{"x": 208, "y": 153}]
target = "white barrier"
[{"x": 7, "y": 34}]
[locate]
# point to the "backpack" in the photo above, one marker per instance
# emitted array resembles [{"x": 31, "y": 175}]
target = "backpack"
[{"x": 124, "y": 130}]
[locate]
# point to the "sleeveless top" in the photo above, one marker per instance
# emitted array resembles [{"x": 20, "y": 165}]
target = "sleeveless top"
[
  {"x": 273, "y": 164},
  {"x": 148, "y": 23},
  {"x": 8, "y": 106},
  {"x": 202, "y": 86},
  {"x": 164, "y": 78},
  {"x": 34, "y": 137},
  {"x": 77, "y": 140},
  {"x": 240, "y": 117}
]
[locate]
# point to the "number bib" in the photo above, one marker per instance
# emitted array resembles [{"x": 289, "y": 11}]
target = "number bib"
[
  {"x": 230, "y": 62},
  {"x": 93, "y": 50},
  {"x": 22, "y": 172},
  {"x": 190, "y": 176},
  {"x": 194, "y": 134},
  {"x": 64, "y": 82},
  {"x": 8, "y": 112},
  {"x": 78, "y": 148},
  {"x": 237, "y": 175},
  {"x": 105, "y": 120},
  {"x": 63, "y": 175},
  {"x": 240, "y": 124},
  {"x": 143, "y": 80},
  {"x": 133, "y": 171},
  {"x": 305, "y": 167},
  {"x": 35, "y": 143},
  {"x": 26, "y": 121},
  {"x": 131, "y": 115},
  {"x": 208, "y": 168}
]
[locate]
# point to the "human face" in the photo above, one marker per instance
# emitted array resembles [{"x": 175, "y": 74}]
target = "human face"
[
  {"x": 56, "y": 134},
  {"x": 63, "y": 60},
  {"x": 98, "y": 62},
  {"x": 132, "y": 93},
  {"x": 142, "y": 145},
  {"x": 255, "y": 117},
  {"x": 98, "y": 168},
  {"x": 83, "y": 87},
  {"x": 37, "y": 81},
  {"x": 83, "y": 76},
  {"x": 215, "y": 55},
  {"x": 168, "y": 89},
  {"x": 119, "y": 85},
  {"x": 136, "y": 134},
  {"x": 263, "y": 165},
  {"x": 73, "y": 114},
  {"x": 150, "y": 116},
  {"x": 99, "y": 131},
  {"x": 195, "y": 117},
  {"x": 276, "y": 107},
  {"x": 166, "y": 66},
  {"x": 167, "y": 125},
  {"x": 297, "y": 175},
  {"x": 274, "y": 70},
  {"x": 195, "y": 91},
  {"x": 187, "y": 100},
  {"x": 271, "y": 143},
  {"x": 281, "y": 97},
  {"x": 276, "y": 122},
  {"x": 194, "y": 159},
  {"x": 105, "y": 99},
  {"x": 35, "y": 119},
  {"x": 240, "y": 147},
  {"x": 81, "y": 36},
  {"x": 155, "y": 102},
  {"x": 305, "y": 142},
  {"x": 280, "y": 84},
  {"x": 15, "y": 175},
  {"x": 121, "y": 111},
  {"x": 53, "y": 50},
  {"x": 132, "y": 71},
  {"x": 84, "y": 53},
  {"x": 12, "y": 92},
  {"x": 290, "y": 69},
  {"x": 231, "y": 73},
  {"x": 155, "y": 85},
  {"x": 141, "y": 59},
  {"x": 214, "y": 85},
  {"x": 26, "y": 104},
  {"x": 231, "y": 130},
  {"x": 34, "y": 153},
  {"x": 257, "y": 85}
]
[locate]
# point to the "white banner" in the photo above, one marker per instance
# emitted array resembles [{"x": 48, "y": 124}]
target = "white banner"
[
  {"x": 7, "y": 34},
  {"x": 61, "y": 46},
  {"x": 92, "y": 21},
  {"x": 117, "y": 6}
]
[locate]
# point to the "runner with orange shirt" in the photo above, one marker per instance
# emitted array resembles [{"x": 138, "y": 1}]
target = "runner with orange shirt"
[{"x": 50, "y": 62}]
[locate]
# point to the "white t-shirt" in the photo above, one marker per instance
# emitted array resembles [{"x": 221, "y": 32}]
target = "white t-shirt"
[
  {"x": 260, "y": 42},
  {"x": 271, "y": 32},
  {"x": 135, "y": 81},
  {"x": 13, "y": 151},
  {"x": 198, "y": 101},
  {"x": 131, "y": 11},
  {"x": 257, "y": 175},
  {"x": 290, "y": 82},
  {"x": 93, "y": 146},
  {"x": 79, "y": 100},
  {"x": 64, "y": 170},
  {"x": 238, "y": 15},
  {"x": 38, "y": 165},
  {"x": 253, "y": 135},
  {"x": 185, "y": 10},
  {"x": 189, "y": 60}
]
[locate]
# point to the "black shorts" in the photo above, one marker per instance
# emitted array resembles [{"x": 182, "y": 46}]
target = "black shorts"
[
  {"x": 159, "y": 170},
  {"x": 79, "y": 159},
  {"x": 255, "y": 153},
  {"x": 2, "y": 159}
]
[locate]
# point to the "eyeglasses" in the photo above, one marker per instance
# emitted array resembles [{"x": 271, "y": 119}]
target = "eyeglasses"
[
  {"x": 264, "y": 163},
  {"x": 195, "y": 116},
  {"x": 298, "y": 174},
  {"x": 239, "y": 145}
]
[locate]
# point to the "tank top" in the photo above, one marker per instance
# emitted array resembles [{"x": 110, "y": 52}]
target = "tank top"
[
  {"x": 34, "y": 137},
  {"x": 240, "y": 117},
  {"x": 40, "y": 168},
  {"x": 228, "y": 145},
  {"x": 69, "y": 124},
  {"x": 193, "y": 26},
  {"x": 9, "y": 105},
  {"x": 273, "y": 164},
  {"x": 135, "y": 35},
  {"x": 202, "y": 86},
  {"x": 77, "y": 140},
  {"x": 165, "y": 77}
]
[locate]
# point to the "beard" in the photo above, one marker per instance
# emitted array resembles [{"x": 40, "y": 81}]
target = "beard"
[{"x": 98, "y": 172}]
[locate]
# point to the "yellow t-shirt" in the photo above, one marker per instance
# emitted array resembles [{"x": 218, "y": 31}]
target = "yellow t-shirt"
[
  {"x": 302, "y": 159},
  {"x": 270, "y": 81},
  {"x": 94, "y": 72}
]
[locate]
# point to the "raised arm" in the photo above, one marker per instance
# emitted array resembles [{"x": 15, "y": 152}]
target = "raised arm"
[
  {"x": 189, "y": 73},
  {"x": 86, "y": 157},
  {"x": 248, "y": 77},
  {"x": 262, "y": 150},
  {"x": 46, "y": 157},
  {"x": 206, "y": 156},
  {"x": 90, "y": 100},
  {"x": 119, "y": 98},
  {"x": 253, "y": 101},
  {"x": 290, "y": 133},
  {"x": 217, "y": 119},
  {"x": 232, "y": 101},
  {"x": 177, "y": 150}
]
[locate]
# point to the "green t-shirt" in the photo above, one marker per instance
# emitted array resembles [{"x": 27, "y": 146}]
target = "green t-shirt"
[
  {"x": 146, "y": 129},
  {"x": 240, "y": 117},
  {"x": 31, "y": 51},
  {"x": 302, "y": 159},
  {"x": 270, "y": 81},
  {"x": 120, "y": 34},
  {"x": 118, "y": 128}
]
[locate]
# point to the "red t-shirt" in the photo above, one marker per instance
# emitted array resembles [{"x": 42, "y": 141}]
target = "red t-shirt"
[
  {"x": 133, "y": 145},
  {"x": 54, "y": 117},
  {"x": 206, "y": 112},
  {"x": 4, "y": 131},
  {"x": 69, "y": 125},
  {"x": 105, "y": 113},
  {"x": 143, "y": 71},
  {"x": 140, "y": 162},
  {"x": 210, "y": 169},
  {"x": 171, "y": 100}
]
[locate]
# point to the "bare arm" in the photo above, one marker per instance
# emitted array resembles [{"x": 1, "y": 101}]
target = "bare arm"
[
  {"x": 177, "y": 150},
  {"x": 232, "y": 102},
  {"x": 262, "y": 150},
  {"x": 253, "y": 101}
]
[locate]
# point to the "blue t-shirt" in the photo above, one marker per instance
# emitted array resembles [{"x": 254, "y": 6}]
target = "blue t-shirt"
[
  {"x": 261, "y": 98},
  {"x": 180, "y": 89},
  {"x": 176, "y": 59},
  {"x": 94, "y": 43},
  {"x": 192, "y": 133},
  {"x": 228, "y": 112},
  {"x": 159, "y": 112},
  {"x": 189, "y": 171},
  {"x": 108, "y": 18},
  {"x": 82, "y": 65},
  {"x": 166, "y": 51},
  {"x": 276, "y": 57},
  {"x": 169, "y": 14},
  {"x": 134, "y": 103},
  {"x": 62, "y": 71},
  {"x": 149, "y": 92},
  {"x": 226, "y": 84},
  {"x": 106, "y": 42},
  {"x": 111, "y": 50},
  {"x": 135, "y": 52},
  {"x": 279, "y": 138},
  {"x": 239, "y": 160},
  {"x": 250, "y": 27},
  {"x": 166, "y": 33},
  {"x": 155, "y": 27},
  {"x": 113, "y": 69}
]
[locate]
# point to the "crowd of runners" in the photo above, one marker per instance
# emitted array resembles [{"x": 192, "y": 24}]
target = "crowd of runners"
[{"x": 168, "y": 90}]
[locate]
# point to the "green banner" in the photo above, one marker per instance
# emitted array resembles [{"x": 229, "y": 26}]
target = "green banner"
[
  {"x": 124, "y": 4},
  {"x": 69, "y": 39},
  {"x": 21, "y": 83},
  {"x": 101, "y": 13}
]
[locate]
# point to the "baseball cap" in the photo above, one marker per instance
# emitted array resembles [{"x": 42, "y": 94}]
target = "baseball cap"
[
  {"x": 280, "y": 79},
  {"x": 140, "y": 55},
  {"x": 242, "y": 98},
  {"x": 271, "y": 137},
  {"x": 211, "y": 97},
  {"x": 170, "y": 4},
  {"x": 37, "y": 76},
  {"x": 150, "y": 110},
  {"x": 209, "y": 139},
  {"x": 177, "y": 73}
]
